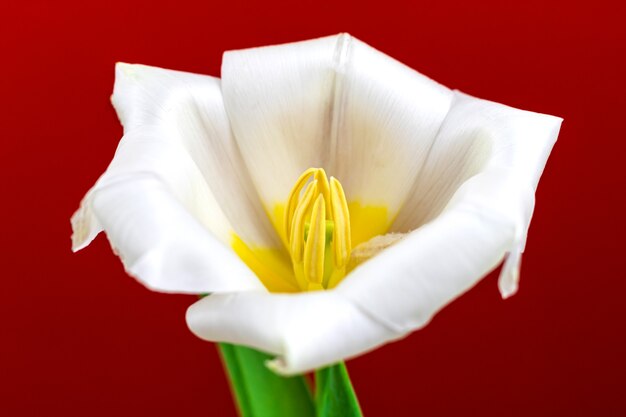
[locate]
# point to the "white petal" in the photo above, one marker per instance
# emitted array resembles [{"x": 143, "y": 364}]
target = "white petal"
[
  {"x": 307, "y": 330},
  {"x": 334, "y": 103},
  {"x": 405, "y": 285},
  {"x": 189, "y": 109},
  {"x": 277, "y": 99},
  {"x": 176, "y": 159},
  {"x": 402, "y": 288},
  {"x": 387, "y": 116},
  {"x": 152, "y": 202},
  {"x": 162, "y": 244},
  {"x": 483, "y": 136}
]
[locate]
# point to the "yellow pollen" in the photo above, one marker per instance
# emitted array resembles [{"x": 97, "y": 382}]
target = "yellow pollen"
[{"x": 317, "y": 230}]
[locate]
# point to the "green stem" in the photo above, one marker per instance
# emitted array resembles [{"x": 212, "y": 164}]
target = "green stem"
[
  {"x": 335, "y": 396},
  {"x": 260, "y": 392}
]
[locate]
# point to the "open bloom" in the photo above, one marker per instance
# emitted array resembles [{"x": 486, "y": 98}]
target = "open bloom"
[{"x": 329, "y": 198}]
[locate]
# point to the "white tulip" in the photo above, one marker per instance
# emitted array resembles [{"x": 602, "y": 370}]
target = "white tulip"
[{"x": 439, "y": 189}]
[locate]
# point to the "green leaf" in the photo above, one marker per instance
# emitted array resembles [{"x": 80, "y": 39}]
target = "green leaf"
[
  {"x": 260, "y": 392},
  {"x": 335, "y": 395}
]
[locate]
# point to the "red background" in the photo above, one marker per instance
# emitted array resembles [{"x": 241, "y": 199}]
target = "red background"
[{"x": 80, "y": 338}]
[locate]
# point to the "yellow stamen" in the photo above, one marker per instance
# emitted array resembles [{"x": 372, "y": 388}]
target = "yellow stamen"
[
  {"x": 315, "y": 243},
  {"x": 297, "y": 230},
  {"x": 322, "y": 180},
  {"x": 294, "y": 196},
  {"x": 317, "y": 230},
  {"x": 341, "y": 216}
]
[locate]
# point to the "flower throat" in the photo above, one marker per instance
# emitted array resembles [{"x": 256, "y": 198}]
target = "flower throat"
[{"x": 317, "y": 230}]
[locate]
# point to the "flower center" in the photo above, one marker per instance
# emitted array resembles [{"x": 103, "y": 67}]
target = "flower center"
[{"x": 317, "y": 230}]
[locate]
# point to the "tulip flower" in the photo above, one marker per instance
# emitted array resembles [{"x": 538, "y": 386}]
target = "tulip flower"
[{"x": 328, "y": 198}]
